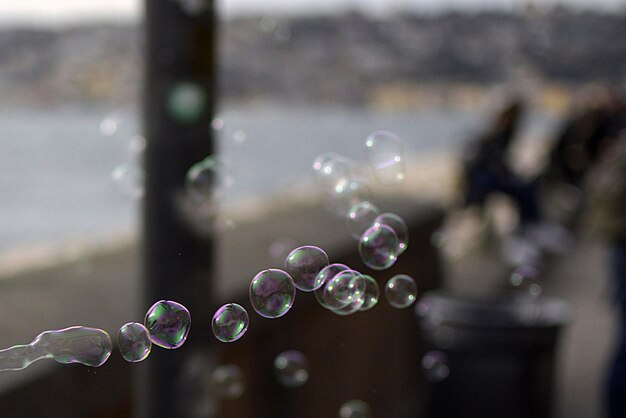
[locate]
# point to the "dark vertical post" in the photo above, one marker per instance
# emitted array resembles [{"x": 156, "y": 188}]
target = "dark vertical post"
[{"x": 179, "y": 55}]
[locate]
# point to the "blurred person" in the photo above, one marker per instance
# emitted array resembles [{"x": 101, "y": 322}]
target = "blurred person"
[{"x": 607, "y": 213}]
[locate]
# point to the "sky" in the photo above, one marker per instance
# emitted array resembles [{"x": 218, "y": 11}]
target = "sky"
[{"x": 59, "y": 12}]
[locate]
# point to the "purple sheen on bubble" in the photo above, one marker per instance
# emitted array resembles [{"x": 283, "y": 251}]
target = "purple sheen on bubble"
[
  {"x": 378, "y": 247},
  {"x": 303, "y": 265},
  {"x": 398, "y": 225},
  {"x": 230, "y": 322},
  {"x": 168, "y": 323},
  {"x": 272, "y": 293},
  {"x": 133, "y": 341}
]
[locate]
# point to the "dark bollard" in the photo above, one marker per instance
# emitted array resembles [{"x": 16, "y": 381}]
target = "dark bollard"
[{"x": 497, "y": 354}]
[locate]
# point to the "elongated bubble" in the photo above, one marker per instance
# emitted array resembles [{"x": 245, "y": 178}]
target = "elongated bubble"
[{"x": 88, "y": 346}]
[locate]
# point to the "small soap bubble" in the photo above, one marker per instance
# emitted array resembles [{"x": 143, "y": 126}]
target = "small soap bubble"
[
  {"x": 186, "y": 102},
  {"x": 133, "y": 340},
  {"x": 386, "y": 157},
  {"x": 435, "y": 366},
  {"x": 291, "y": 369},
  {"x": 371, "y": 293},
  {"x": 217, "y": 123},
  {"x": 137, "y": 145},
  {"x": 398, "y": 225},
  {"x": 346, "y": 287},
  {"x": 168, "y": 323},
  {"x": 239, "y": 136},
  {"x": 401, "y": 291},
  {"x": 378, "y": 247},
  {"x": 303, "y": 265},
  {"x": 526, "y": 278},
  {"x": 326, "y": 275},
  {"x": 129, "y": 180},
  {"x": 108, "y": 126},
  {"x": 360, "y": 217},
  {"x": 230, "y": 322},
  {"x": 331, "y": 168},
  {"x": 227, "y": 381},
  {"x": 272, "y": 293},
  {"x": 207, "y": 179},
  {"x": 355, "y": 409}
]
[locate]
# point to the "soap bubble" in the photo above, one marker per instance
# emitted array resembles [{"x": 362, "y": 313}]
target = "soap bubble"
[
  {"x": 371, "y": 293},
  {"x": 217, "y": 123},
  {"x": 208, "y": 179},
  {"x": 230, "y": 322},
  {"x": 133, "y": 340},
  {"x": 435, "y": 366},
  {"x": 347, "y": 192},
  {"x": 355, "y": 409},
  {"x": 325, "y": 275},
  {"x": 331, "y": 168},
  {"x": 303, "y": 265},
  {"x": 227, "y": 381},
  {"x": 108, "y": 126},
  {"x": 398, "y": 225},
  {"x": 386, "y": 157},
  {"x": 168, "y": 323},
  {"x": 82, "y": 345},
  {"x": 272, "y": 293},
  {"x": 401, "y": 291},
  {"x": 360, "y": 217},
  {"x": 291, "y": 369},
  {"x": 186, "y": 102},
  {"x": 526, "y": 278},
  {"x": 129, "y": 180},
  {"x": 378, "y": 247},
  {"x": 346, "y": 287},
  {"x": 239, "y": 136}
]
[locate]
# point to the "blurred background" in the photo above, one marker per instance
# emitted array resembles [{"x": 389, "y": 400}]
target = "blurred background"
[{"x": 292, "y": 81}]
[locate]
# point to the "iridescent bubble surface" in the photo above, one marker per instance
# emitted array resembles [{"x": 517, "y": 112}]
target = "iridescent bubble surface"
[
  {"x": 168, "y": 323},
  {"x": 435, "y": 366},
  {"x": 360, "y": 217},
  {"x": 355, "y": 409},
  {"x": 230, "y": 322},
  {"x": 378, "y": 247},
  {"x": 186, "y": 102},
  {"x": 291, "y": 369},
  {"x": 398, "y": 225},
  {"x": 133, "y": 341},
  {"x": 401, "y": 291},
  {"x": 227, "y": 381},
  {"x": 88, "y": 346},
  {"x": 303, "y": 265},
  {"x": 346, "y": 287},
  {"x": 385, "y": 155},
  {"x": 371, "y": 293},
  {"x": 272, "y": 293},
  {"x": 325, "y": 275}
]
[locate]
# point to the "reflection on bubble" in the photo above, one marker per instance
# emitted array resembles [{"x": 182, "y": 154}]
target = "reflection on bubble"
[
  {"x": 435, "y": 366},
  {"x": 360, "y": 217},
  {"x": 129, "y": 180},
  {"x": 133, "y": 341},
  {"x": 303, "y": 265},
  {"x": 386, "y": 157},
  {"x": 186, "y": 102},
  {"x": 272, "y": 293},
  {"x": 88, "y": 346},
  {"x": 401, "y": 291},
  {"x": 291, "y": 369},
  {"x": 227, "y": 382},
  {"x": 355, "y": 409},
  {"x": 398, "y": 225},
  {"x": 168, "y": 323},
  {"x": 526, "y": 278},
  {"x": 322, "y": 295},
  {"x": 378, "y": 247},
  {"x": 230, "y": 322},
  {"x": 346, "y": 287},
  {"x": 207, "y": 178},
  {"x": 371, "y": 293}
]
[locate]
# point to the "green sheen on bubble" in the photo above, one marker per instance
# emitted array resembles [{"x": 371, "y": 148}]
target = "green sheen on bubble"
[
  {"x": 168, "y": 323},
  {"x": 303, "y": 265},
  {"x": 133, "y": 341},
  {"x": 272, "y": 293},
  {"x": 230, "y": 322}
]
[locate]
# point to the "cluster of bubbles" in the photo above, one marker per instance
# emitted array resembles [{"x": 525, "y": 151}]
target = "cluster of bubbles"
[
  {"x": 526, "y": 279},
  {"x": 291, "y": 369},
  {"x": 435, "y": 366},
  {"x": 166, "y": 325}
]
